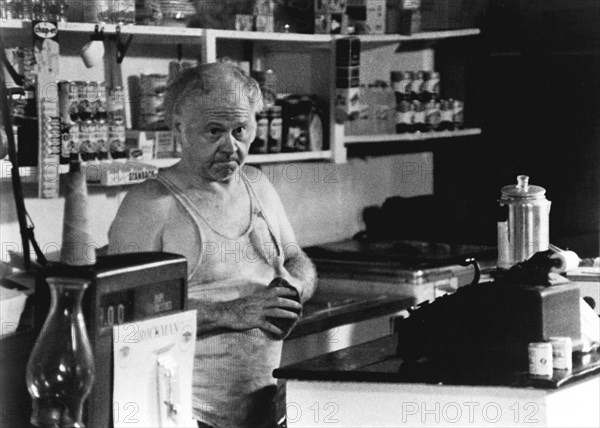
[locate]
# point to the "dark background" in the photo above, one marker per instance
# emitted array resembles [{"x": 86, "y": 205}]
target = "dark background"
[{"x": 532, "y": 83}]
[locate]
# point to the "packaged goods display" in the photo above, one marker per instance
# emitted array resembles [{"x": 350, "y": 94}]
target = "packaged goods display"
[
  {"x": 35, "y": 10},
  {"x": 110, "y": 11},
  {"x": 293, "y": 124},
  {"x": 92, "y": 121},
  {"x": 319, "y": 17},
  {"x": 419, "y": 107}
]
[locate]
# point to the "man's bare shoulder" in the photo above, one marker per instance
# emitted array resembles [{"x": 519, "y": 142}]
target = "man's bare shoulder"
[
  {"x": 150, "y": 195},
  {"x": 264, "y": 189}
]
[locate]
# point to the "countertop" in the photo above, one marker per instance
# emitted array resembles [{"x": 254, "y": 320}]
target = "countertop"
[
  {"x": 376, "y": 361},
  {"x": 326, "y": 311}
]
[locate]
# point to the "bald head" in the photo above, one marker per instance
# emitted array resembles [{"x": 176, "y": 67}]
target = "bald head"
[{"x": 221, "y": 80}]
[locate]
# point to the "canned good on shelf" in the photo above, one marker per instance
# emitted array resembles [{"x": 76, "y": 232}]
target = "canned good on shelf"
[{"x": 540, "y": 359}]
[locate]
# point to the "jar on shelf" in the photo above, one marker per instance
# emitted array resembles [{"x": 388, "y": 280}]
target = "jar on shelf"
[
  {"x": 446, "y": 116},
  {"x": 401, "y": 81},
  {"x": 259, "y": 145}
]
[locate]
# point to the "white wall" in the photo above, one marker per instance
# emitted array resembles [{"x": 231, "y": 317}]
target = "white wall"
[{"x": 323, "y": 201}]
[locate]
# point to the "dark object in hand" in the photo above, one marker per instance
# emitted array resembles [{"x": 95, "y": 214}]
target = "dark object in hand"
[{"x": 285, "y": 324}]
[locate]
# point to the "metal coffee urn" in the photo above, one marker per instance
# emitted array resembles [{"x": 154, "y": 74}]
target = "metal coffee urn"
[{"x": 523, "y": 222}]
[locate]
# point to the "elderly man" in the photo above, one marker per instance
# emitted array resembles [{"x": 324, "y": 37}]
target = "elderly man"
[{"x": 236, "y": 238}]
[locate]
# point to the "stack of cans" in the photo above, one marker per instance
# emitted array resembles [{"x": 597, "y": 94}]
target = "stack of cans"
[
  {"x": 38, "y": 10},
  {"x": 419, "y": 107},
  {"x": 92, "y": 122}
]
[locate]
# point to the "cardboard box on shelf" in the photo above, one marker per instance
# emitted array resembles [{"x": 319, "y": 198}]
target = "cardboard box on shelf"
[
  {"x": 447, "y": 14},
  {"x": 403, "y": 17},
  {"x": 152, "y": 144},
  {"x": 371, "y": 13},
  {"x": 375, "y": 114},
  {"x": 118, "y": 172},
  {"x": 348, "y": 100}
]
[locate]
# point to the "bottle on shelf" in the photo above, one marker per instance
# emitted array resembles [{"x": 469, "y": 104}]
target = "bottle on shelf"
[
  {"x": 419, "y": 117},
  {"x": 416, "y": 86},
  {"x": 275, "y": 130},
  {"x": 458, "y": 114},
  {"x": 405, "y": 112},
  {"x": 401, "y": 83}
]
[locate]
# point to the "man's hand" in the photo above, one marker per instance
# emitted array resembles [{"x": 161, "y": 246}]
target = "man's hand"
[{"x": 255, "y": 311}]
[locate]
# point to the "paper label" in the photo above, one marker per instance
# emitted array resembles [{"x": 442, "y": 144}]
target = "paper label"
[{"x": 153, "y": 370}]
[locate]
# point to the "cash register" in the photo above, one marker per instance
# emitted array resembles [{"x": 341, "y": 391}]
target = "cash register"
[{"x": 123, "y": 288}]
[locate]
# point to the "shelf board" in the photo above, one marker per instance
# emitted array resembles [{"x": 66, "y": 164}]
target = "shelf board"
[
  {"x": 420, "y": 136},
  {"x": 257, "y": 159},
  {"x": 426, "y": 35},
  {"x": 270, "y": 37},
  {"x": 143, "y": 33},
  {"x": 289, "y": 157},
  {"x": 29, "y": 173},
  {"x": 165, "y": 34}
]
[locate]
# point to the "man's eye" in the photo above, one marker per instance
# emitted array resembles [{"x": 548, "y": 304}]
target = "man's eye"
[
  {"x": 214, "y": 131},
  {"x": 240, "y": 131}
]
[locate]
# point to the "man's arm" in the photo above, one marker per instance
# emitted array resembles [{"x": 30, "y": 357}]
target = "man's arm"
[
  {"x": 302, "y": 270},
  {"x": 247, "y": 312},
  {"x": 139, "y": 221}
]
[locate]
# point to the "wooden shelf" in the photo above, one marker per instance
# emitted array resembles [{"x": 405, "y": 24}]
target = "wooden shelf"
[
  {"x": 427, "y": 35},
  {"x": 420, "y": 136},
  {"x": 29, "y": 173},
  {"x": 164, "y": 34},
  {"x": 289, "y": 157}
]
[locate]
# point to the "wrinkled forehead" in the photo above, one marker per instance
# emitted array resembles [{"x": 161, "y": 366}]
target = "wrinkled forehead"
[{"x": 230, "y": 92}]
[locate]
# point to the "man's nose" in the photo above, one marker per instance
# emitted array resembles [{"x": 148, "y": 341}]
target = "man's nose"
[{"x": 229, "y": 144}]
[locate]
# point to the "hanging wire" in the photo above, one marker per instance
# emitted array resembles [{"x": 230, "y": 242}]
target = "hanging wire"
[{"x": 26, "y": 231}]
